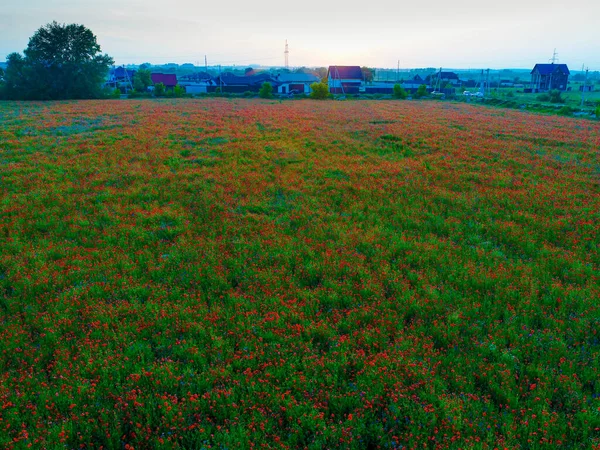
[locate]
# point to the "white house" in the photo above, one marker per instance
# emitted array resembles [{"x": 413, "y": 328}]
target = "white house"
[{"x": 295, "y": 82}]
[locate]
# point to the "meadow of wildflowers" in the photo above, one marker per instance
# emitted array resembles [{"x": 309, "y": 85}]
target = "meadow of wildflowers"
[{"x": 253, "y": 274}]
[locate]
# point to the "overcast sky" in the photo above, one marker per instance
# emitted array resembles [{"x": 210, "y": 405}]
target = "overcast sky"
[{"x": 431, "y": 33}]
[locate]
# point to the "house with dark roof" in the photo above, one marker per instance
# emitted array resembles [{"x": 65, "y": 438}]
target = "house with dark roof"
[
  {"x": 411, "y": 86},
  {"x": 120, "y": 78},
  {"x": 229, "y": 82},
  {"x": 168, "y": 79},
  {"x": 441, "y": 79},
  {"x": 546, "y": 77},
  {"x": 344, "y": 79},
  {"x": 295, "y": 82}
]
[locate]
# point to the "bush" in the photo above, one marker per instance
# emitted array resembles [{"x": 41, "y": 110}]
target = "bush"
[
  {"x": 597, "y": 112},
  {"x": 266, "y": 90},
  {"x": 116, "y": 93},
  {"x": 319, "y": 91},
  {"x": 179, "y": 91},
  {"x": 159, "y": 89},
  {"x": 137, "y": 94},
  {"x": 543, "y": 98},
  {"x": 555, "y": 97},
  {"x": 565, "y": 111},
  {"x": 399, "y": 92},
  {"x": 421, "y": 92},
  {"x": 510, "y": 94},
  {"x": 248, "y": 94},
  {"x": 217, "y": 90}
]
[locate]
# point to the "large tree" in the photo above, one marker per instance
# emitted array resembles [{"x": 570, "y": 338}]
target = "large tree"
[{"x": 61, "y": 62}]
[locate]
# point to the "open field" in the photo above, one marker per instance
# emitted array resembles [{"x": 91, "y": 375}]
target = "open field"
[{"x": 245, "y": 273}]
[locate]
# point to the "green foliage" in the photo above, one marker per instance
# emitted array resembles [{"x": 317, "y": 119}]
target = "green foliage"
[
  {"x": 319, "y": 91},
  {"x": 555, "y": 96},
  {"x": 597, "y": 112},
  {"x": 266, "y": 90},
  {"x": 142, "y": 80},
  {"x": 116, "y": 93},
  {"x": 421, "y": 92},
  {"x": 218, "y": 90},
  {"x": 179, "y": 91},
  {"x": 159, "y": 89},
  {"x": 399, "y": 92},
  {"x": 60, "y": 62},
  {"x": 543, "y": 97},
  {"x": 565, "y": 111}
]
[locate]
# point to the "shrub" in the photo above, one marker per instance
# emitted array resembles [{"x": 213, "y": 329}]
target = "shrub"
[
  {"x": 565, "y": 111},
  {"x": 248, "y": 94},
  {"x": 399, "y": 92},
  {"x": 319, "y": 91},
  {"x": 266, "y": 90},
  {"x": 421, "y": 92},
  {"x": 116, "y": 93},
  {"x": 597, "y": 112},
  {"x": 179, "y": 91},
  {"x": 217, "y": 90},
  {"x": 159, "y": 89},
  {"x": 510, "y": 94},
  {"x": 555, "y": 97},
  {"x": 543, "y": 98}
]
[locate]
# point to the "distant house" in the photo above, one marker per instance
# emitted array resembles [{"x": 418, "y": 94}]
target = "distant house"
[
  {"x": 299, "y": 82},
  {"x": 196, "y": 83},
  {"x": 228, "y": 82},
  {"x": 411, "y": 86},
  {"x": 507, "y": 83},
  {"x": 120, "y": 78},
  {"x": 443, "y": 78},
  {"x": 344, "y": 79},
  {"x": 586, "y": 88},
  {"x": 546, "y": 77},
  {"x": 168, "y": 79}
]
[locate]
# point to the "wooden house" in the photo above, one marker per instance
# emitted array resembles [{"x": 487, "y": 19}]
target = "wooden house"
[
  {"x": 168, "y": 79},
  {"x": 546, "y": 77}
]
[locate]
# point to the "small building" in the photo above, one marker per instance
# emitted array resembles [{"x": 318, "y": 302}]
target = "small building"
[
  {"x": 168, "y": 79},
  {"x": 196, "y": 83},
  {"x": 344, "y": 79},
  {"x": 586, "y": 88},
  {"x": 295, "y": 82},
  {"x": 546, "y": 77}
]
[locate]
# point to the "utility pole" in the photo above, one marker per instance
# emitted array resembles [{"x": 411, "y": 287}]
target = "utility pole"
[
  {"x": 287, "y": 54},
  {"x": 205, "y": 64},
  {"x": 398, "y": 73},
  {"x": 220, "y": 80},
  {"x": 584, "y": 86},
  {"x": 487, "y": 81}
]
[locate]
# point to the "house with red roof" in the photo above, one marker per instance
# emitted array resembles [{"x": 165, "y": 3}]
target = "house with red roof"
[{"x": 168, "y": 79}]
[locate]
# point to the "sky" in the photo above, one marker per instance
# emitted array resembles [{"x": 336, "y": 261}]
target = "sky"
[{"x": 459, "y": 34}]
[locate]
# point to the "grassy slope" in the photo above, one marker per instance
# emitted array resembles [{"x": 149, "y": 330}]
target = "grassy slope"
[{"x": 315, "y": 274}]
